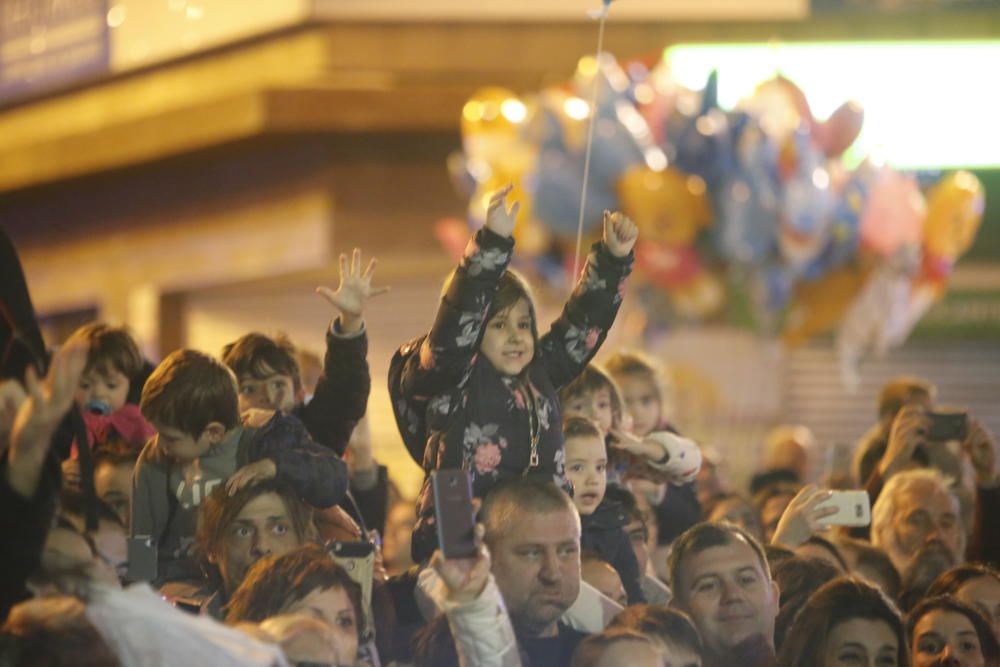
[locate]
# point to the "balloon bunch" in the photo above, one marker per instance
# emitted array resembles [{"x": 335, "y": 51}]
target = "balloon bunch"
[{"x": 750, "y": 210}]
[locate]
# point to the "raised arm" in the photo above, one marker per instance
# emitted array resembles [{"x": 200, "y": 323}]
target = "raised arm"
[
  {"x": 587, "y": 317},
  {"x": 341, "y": 395},
  {"x": 447, "y": 353}
]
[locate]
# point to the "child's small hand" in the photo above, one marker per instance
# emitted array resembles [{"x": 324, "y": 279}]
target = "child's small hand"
[
  {"x": 258, "y": 471},
  {"x": 627, "y": 442},
  {"x": 499, "y": 218},
  {"x": 355, "y": 289},
  {"x": 620, "y": 234}
]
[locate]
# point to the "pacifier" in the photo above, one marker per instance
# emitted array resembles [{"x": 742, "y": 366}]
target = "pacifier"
[{"x": 97, "y": 407}]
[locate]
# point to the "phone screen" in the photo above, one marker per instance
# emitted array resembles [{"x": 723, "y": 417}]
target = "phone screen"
[{"x": 456, "y": 526}]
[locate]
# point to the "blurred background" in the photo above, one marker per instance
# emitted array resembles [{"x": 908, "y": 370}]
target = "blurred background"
[{"x": 193, "y": 169}]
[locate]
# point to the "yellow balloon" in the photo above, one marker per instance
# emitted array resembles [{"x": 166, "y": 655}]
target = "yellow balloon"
[
  {"x": 954, "y": 213},
  {"x": 819, "y": 305},
  {"x": 493, "y": 110},
  {"x": 668, "y": 206},
  {"x": 703, "y": 296}
]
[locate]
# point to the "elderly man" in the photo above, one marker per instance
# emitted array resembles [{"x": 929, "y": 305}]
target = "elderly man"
[
  {"x": 916, "y": 508},
  {"x": 532, "y": 531},
  {"x": 909, "y": 447},
  {"x": 720, "y": 577}
]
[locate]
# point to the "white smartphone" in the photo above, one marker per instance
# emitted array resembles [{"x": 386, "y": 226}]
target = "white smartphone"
[{"x": 853, "y": 509}]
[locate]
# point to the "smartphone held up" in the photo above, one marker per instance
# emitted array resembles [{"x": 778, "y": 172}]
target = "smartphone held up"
[{"x": 454, "y": 514}]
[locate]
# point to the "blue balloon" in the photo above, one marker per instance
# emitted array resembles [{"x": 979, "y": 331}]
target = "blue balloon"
[
  {"x": 745, "y": 227},
  {"x": 556, "y": 187},
  {"x": 845, "y": 225},
  {"x": 806, "y": 206},
  {"x": 747, "y": 197},
  {"x": 614, "y": 150}
]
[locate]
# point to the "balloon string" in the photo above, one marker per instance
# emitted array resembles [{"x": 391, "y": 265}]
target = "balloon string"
[{"x": 590, "y": 141}]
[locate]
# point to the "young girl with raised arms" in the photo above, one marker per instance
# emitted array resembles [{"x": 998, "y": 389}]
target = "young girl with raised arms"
[{"x": 479, "y": 391}]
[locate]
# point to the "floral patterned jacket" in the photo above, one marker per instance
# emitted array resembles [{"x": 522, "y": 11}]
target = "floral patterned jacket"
[{"x": 454, "y": 410}]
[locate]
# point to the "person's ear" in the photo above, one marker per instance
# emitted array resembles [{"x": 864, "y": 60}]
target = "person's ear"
[
  {"x": 776, "y": 593},
  {"x": 214, "y": 432}
]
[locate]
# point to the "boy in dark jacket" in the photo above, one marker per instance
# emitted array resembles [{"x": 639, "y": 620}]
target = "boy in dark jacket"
[
  {"x": 270, "y": 379},
  {"x": 479, "y": 391},
  {"x": 201, "y": 443},
  {"x": 602, "y": 520}
]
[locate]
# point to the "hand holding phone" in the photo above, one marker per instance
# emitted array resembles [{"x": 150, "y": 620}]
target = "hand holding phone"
[
  {"x": 464, "y": 578},
  {"x": 453, "y": 513},
  {"x": 947, "y": 426},
  {"x": 853, "y": 509}
]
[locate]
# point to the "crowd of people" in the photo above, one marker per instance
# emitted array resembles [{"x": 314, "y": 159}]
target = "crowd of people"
[{"x": 232, "y": 511}]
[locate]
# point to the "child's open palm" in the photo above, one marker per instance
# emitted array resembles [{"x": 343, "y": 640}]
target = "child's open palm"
[
  {"x": 620, "y": 234},
  {"x": 354, "y": 290},
  {"x": 500, "y": 219}
]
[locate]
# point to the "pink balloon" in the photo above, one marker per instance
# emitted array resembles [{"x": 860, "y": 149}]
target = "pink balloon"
[
  {"x": 453, "y": 235},
  {"x": 894, "y": 213},
  {"x": 667, "y": 266}
]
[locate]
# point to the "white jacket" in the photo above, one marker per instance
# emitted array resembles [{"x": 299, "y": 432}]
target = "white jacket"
[{"x": 481, "y": 629}]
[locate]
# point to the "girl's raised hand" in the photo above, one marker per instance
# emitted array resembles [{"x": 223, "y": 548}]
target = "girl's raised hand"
[
  {"x": 620, "y": 234},
  {"x": 500, "y": 218}
]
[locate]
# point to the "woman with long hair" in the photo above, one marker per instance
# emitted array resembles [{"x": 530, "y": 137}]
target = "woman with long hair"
[{"x": 847, "y": 622}]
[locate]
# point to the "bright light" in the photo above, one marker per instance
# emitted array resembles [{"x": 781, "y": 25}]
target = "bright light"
[
  {"x": 576, "y": 108},
  {"x": 513, "y": 110},
  {"x": 927, "y": 104},
  {"x": 820, "y": 178},
  {"x": 644, "y": 93},
  {"x": 116, "y": 16},
  {"x": 587, "y": 66},
  {"x": 473, "y": 111}
]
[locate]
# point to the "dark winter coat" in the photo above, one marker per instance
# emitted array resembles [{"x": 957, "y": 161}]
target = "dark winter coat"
[
  {"x": 603, "y": 532},
  {"x": 341, "y": 395}
]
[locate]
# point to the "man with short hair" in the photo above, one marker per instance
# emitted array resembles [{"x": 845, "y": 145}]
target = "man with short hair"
[
  {"x": 720, "y": 577},
  {"x": 532, "y": 530},
  {"x": 915, "y": 508}
]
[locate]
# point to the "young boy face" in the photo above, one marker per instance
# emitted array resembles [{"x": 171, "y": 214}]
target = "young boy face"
[
  {"x": 507, "y": 341},
  {"x": 276, "y": 391},
  {"x": 642, "y": 401},
  {"x": 107, "y": 385},
  {"x": 594, "y": 405},
  {"x": 586, "y": 468},
  {"x": 184, "y": 447}
]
